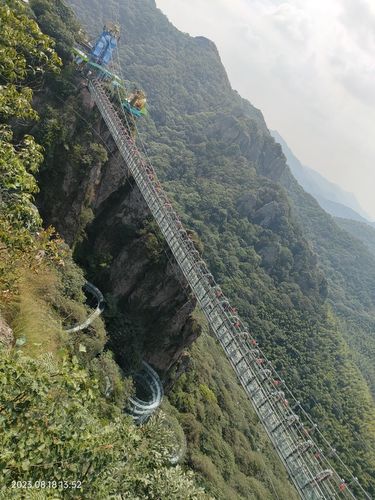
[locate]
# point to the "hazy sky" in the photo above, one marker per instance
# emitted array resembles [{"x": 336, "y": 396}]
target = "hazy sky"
[{"x": 309, "y": 65}]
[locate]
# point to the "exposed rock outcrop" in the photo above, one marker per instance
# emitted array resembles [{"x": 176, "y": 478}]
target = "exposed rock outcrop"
[
  {"x": 132, "y": 263},
  {"x": 6, "y": 334},
  {"x": 122, "y": 251}
]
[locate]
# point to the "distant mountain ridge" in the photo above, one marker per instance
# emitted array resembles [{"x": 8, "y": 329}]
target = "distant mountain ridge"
[
  {"x": 342, "y": 205},
  {"x": 330, "y": 197}
]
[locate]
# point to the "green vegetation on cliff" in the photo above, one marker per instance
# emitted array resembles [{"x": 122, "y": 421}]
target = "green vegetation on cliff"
[
  {"x": 216, "y": 158},
  {"x": 26, "y": 54},
  {"x": 215, "y": 155},
  {"x": 226, "y": 444},
  {"x": 359, "y": 230},
  {"x": 56, "y": 426},
  {"x": 61, "y": 425}
]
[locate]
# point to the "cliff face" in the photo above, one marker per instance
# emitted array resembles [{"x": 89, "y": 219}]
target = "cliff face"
[
  {"x": 95, "y": 206},
  {"x": 6, "y": 334},
  {"x": 229, "y": 181},
  {"x": 131, "y": 262}
]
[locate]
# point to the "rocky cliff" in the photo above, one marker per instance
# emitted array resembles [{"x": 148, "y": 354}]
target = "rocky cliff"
[
  {"x": 96, "y": 207},
  {"x": 229, "y": 181}
]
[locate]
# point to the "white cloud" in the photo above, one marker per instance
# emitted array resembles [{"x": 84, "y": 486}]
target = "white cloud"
[{"x": 309, "y": 65}]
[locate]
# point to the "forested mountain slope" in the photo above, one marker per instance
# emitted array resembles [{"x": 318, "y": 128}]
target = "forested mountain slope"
[
  {"x": 359, "y": 230},
  {"x": 224, "y": 170},
  {"x": 349, "y": 267},
  {"x": 62, "y": 397},
  {"x": 87, "y": 194}
]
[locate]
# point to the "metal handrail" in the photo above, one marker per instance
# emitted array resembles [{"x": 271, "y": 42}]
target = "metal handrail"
[
  {"x": 142, "y": 409},
  {"x": 89, "y": 287},
  {"x": 296, "y": 449}
]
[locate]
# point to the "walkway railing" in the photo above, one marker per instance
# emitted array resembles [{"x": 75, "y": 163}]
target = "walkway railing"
[
  {"x": 310, "y": 470},
  {"x": 147, "y": 382},
  {"x": 95, "y": 292}
]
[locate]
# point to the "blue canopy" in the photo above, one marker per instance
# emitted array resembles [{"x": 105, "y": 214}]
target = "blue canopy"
[{"x": 102, "y": 51}]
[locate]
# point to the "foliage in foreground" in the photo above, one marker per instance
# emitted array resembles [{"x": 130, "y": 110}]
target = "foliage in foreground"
[
  {"x": 56, "y": 425},
  {"x": 214, "y": 154},
  {"x": 26, "y": 54}
]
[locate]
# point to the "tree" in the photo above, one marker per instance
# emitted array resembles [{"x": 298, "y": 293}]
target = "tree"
[
  {"x": 68, "y": 436},
  {"x": 26, "y": 54}
]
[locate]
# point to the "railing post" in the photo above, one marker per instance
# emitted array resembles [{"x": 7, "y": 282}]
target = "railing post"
[{"x": 310, "y": 481}]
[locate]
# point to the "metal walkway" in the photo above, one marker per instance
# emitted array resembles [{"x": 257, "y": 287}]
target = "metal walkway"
[
  {"x": 310, "y": 470},
  {"x": 147, "y": 382},
  {"x": 95, "y": 292}
]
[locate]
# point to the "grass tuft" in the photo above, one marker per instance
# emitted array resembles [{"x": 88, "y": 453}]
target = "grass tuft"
[{"x": 34, "y": 318}]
